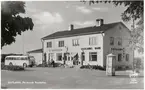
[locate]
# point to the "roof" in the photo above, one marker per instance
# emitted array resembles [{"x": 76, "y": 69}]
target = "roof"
[
  {"x": 35, "y": 51},
  {"x": 16, "y": 56},
  {"x": 82, "y": 31}
]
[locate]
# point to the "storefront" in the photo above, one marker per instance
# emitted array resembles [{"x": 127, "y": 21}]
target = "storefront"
[{"x": 83, "y": 56}]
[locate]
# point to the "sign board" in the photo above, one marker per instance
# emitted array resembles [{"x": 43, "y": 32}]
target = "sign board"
[{"x": 90, "y": 48}]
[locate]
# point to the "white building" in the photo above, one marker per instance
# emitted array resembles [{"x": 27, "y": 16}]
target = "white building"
[
  {"x": 37, "y": 54},
  {"x": 89, "y": 45}
]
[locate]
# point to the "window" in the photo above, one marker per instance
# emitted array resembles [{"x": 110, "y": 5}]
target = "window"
[
  {"x": 68, "y": 58},
  {"x": 49, "y": 44},
  {"x": 120, "y": 41},
  {"x": 127, "y": 57},
  {"x": 61, "y": 44},
  {"x": 93, "y": 56},
  {"x": 111, "y": 40},
  {"x": 59, "y": 56},
  {"x": 22, "y": 58},
  {"x": 119, "y": 57},
  {"x": 75, "y": 42},
  {"x": 93, "y": 41}
]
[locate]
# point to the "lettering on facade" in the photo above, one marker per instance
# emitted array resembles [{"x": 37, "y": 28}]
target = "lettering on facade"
[
  {"x": 118, "y": 49},
  {"x": 97, "y": 47},
  {"x": 89, "y": 48}
]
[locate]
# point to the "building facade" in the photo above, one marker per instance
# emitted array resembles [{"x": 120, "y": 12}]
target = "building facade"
[
  {"x": 37, "y": 54},
  {"x": 89, "y": 45}
]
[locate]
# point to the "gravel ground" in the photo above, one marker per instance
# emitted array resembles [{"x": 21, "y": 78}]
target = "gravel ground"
[{"x": 68, "y": 78}]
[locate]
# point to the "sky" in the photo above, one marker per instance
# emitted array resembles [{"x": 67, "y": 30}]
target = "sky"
[{"x": 52, "y": 16}]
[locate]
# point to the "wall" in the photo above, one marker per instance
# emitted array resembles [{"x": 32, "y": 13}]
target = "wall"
[
  {"x": 38, "y": 57},
  {"x": 84, "y": 43},
  {"x": 118, "y": 31}
]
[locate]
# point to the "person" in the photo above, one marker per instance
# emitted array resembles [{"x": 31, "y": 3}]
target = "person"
[{"x": 53, "y": 63}]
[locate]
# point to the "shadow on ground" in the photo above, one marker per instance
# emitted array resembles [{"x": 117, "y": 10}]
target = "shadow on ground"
[
  {"x": 126, "y": 76},
  {"x": 3, "y": 87}
]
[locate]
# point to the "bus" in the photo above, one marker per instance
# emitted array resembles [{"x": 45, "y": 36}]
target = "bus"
[{"x": 24, "y": 61}]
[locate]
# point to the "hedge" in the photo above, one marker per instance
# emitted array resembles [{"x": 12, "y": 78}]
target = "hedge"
[
  {"x": 11, "y": 68},
  {"x": 96, "y": 67}
]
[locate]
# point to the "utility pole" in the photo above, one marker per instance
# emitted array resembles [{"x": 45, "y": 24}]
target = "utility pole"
[{"x": 23, "y": 41}]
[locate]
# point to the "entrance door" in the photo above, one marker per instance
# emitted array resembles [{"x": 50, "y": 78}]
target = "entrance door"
[
  {"x": 44, "y": 61},
  {"x": 75, "y": 60}
]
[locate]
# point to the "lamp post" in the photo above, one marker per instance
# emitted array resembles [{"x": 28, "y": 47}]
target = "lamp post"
[
  {"x": 65, "y": 54},
  {"x": 23, "y": 41}
]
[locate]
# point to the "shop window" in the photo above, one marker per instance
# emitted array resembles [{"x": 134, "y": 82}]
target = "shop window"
[
  {"x": 119, "y": 57},
  {"x": 59, "y": 56},
  {"x": 119, "y": 41},
  {"x": 61, "y": 44},
  {"x": 127, "y": 57},
  {"x": 111, "y": 40},
  {"x": 75, "y": 42},
  {"x": 49, "y": 44},
  {"x": 92, "y": 56},
  {"x": 93, "y": 41}
]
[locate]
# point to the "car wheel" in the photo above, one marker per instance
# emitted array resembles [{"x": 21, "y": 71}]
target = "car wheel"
[
  {"x": 10, "y": 64},
  {"x": 24, "y": 65}
]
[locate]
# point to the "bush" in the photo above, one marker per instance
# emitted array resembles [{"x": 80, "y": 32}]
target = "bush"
[
  {"x": 96, "y": 67},
  {"x": 58, "y": 64},
  {"x": 11, "y": 68},
  {"x": 50, "y": 65}
]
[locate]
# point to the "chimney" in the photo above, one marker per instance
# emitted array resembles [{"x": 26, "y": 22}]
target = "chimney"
[
  {"x": 99, "y": 22},
  {"x": 71, "y": 27}
]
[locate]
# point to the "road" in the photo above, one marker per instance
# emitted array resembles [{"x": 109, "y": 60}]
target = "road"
[{"x": 67, "y": 78}]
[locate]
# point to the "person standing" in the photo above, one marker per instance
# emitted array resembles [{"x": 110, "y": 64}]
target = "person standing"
[{"x": 53, "y": 63}]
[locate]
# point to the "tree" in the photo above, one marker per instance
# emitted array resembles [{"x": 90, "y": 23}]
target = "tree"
[
  {"x": 12, "y": 24},
  {"x": 134, "y": 8}
]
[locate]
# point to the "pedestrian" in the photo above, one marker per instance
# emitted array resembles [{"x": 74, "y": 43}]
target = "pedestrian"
[{"x": 53, "y": 63}]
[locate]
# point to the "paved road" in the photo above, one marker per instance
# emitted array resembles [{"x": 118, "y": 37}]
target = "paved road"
[{"x": 67, "y": 78}]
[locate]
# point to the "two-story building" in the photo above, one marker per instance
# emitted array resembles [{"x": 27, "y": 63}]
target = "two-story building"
[{"x": 89, "y": 45}]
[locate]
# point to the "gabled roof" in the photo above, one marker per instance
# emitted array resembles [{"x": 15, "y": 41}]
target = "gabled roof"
[
  {"x": 35, "y": 51},
  {"x": 82, "y": 31}
]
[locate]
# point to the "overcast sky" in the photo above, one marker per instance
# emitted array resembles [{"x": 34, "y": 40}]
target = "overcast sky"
[{"x": 49, "y": 17}]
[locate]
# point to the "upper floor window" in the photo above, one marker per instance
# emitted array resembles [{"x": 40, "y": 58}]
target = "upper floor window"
[
  {"x": 61, "y": 44},
  {"x": 111, "y": 40},
  {"x": 49, "y": 44},
  {"x": 120, "y": 41},
  {"x": 93, "y": 41},
  {"x": 119, "y": 57},
  {"x": 127, "y": 57},
  {"x": 75, "y": 42}
]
